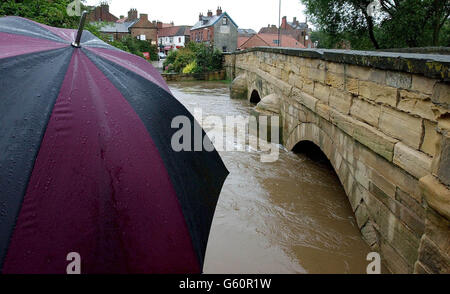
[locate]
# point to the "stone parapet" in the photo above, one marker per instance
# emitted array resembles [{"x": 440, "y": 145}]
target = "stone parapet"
[{"x": 383, "y": 120}]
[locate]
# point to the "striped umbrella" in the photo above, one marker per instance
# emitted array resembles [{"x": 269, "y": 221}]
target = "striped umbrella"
[{"x": 86, "y": 162}]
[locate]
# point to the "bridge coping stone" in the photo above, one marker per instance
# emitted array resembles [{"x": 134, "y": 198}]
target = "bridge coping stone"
[{"x": 430, "y": 65}]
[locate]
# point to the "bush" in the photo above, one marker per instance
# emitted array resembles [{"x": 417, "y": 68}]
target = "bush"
[
  {"x": 191, "y": 68},
  {"x": 205, "y": 58}
]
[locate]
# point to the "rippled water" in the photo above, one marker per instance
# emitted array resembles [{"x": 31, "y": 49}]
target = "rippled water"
[{"x": 290, "y": 216}]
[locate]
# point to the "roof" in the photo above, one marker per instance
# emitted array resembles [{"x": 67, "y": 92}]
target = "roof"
[
  {"x": 208, "y": 21},
  {"x": 242, "y": 40},
  {"x": 299, "y": 25},
  {"x": 174, "y": 31},
  {"x": 118, "y": 27},
  {"x": 246, "y": 32},
  {"x": 271, "y": 39},
  {"x": 286, "y": 40}
]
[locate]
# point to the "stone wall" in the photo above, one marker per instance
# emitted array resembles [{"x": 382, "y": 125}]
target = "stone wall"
[{"x": 383, "y": 120}]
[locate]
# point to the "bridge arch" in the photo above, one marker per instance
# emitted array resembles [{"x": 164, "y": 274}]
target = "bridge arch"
[{"x": 255, "y": 98}]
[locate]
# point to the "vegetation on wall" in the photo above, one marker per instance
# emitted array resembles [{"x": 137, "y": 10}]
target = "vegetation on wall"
[
  {"x": 394, "y": 23},
  {"x": 195, "y": 58}
]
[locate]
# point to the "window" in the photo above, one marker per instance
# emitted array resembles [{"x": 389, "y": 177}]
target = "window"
[
  {"x": 224, "y": 49},
  {"x": 171, "y": 40},
  {"x": 225, "y": 21},
  {"x": 179, "y": 39},
  {"x": 276, "y": 42},
  {"x": 142, "y": 37}
]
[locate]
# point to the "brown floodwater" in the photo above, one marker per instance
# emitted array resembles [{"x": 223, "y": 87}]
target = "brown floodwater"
[{"x": 289, "y": 216}]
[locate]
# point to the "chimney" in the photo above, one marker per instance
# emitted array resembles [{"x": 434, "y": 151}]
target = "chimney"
[
  {"x": 200, "y": 17},
  {"x": 219, "y": 11},
  {"x": 295, "y": 20},
  {"x": 132, "y": 14},
  {"x": 210, "y": 13},
  {"x": 159, "y": 25},
  {"x": 284, "y": 22},
  {"x": 143, "y": 16},
  {"x": 104, "y": 6}
]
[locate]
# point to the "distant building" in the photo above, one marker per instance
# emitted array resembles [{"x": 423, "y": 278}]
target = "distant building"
[
  {"x": 173, "y": 37},
  {"x": 218, "y": 30},
  {"x": 132, "y": 25},
  {"x": 101, "y": 13},
  {"x": 270, "y": 40},
  {"x": 244, "y": 35},
  {"x": 300, "y": 31}
]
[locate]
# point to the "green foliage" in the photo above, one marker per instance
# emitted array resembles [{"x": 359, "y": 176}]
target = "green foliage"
[
  {"x": 191, "y": 68},
  {"x": 52, "y": 13},
  {"x": 397, "y": 24},
  {"x": 205, "y": 57}
]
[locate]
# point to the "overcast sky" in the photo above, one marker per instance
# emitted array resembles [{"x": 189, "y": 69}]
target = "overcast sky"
[{"x": 252, "y": 14}]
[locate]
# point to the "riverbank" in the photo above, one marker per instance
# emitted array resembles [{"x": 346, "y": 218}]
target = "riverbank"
[{"x": 207, "y": 76}]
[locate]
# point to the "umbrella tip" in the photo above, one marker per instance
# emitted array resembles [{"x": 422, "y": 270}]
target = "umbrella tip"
[{"x": 76, "y": 43}]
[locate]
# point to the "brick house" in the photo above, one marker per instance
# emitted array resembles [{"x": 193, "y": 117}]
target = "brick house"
[
  {"x": 131, "y": 25},
  {"x": 300, "y": 31},
  {"x": 270, "y": 40},
  {"x": 174, "y": 37},
  {"x": 101, "y": 13},
  {"x": 218, "y": 30}
]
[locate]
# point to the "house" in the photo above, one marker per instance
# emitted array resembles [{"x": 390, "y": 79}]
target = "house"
[
  {"x": 270, "y": 40},
  {"x": 132, "y": 25},
  {"x": 218, "y": 30},
  {"x": 300, "y": 31},
  {"x": 173, "y": 37},
  {"x": 244, "y": 35},
  {"x": 100, "y": 14}
]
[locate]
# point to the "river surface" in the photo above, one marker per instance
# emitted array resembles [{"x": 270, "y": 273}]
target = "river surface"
[{"x": 289, "y": 216}]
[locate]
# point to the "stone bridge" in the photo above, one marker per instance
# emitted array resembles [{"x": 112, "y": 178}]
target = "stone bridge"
[{"x": 383, "y": 121}]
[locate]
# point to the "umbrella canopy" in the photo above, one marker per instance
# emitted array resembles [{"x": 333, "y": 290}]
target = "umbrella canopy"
[{"x": 86, "y": 162}]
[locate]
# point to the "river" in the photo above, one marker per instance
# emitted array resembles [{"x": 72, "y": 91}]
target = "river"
[{"x": 290, "y": 216}]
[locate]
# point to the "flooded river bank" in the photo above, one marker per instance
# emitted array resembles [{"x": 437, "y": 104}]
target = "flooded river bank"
[{"x": 289, "y": 216}]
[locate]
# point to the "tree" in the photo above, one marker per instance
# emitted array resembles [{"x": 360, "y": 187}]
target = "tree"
[
  {"x": 397, "y": 23},
  {"x": 52, "y": 13}
]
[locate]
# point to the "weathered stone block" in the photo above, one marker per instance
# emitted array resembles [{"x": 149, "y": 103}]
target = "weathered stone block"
[
  {"x": 308, "y": 86},
  {"x": 323, "y": 110},
  {"x": 392, "y": 173},
  {"x": 438, "y": 230},
  {"x": 414, "y": 162},
  {"x": 441, "y": 94},
  {"x": 334, "y": 67},
  {"x": 410, "y": 202},
  {"x": 402, "y": 126},
  {"x": 431, "y": 138},
  {"x": 352, "y": 86},
  {"x": 398, "y": 79},
  {"x": 422, "y": 84},
  {"x": 378, "y": 93},
  {"x": 432, "y": 258},
  {"x": 335, "y": 80},
  {"x": 373, "y": 139},
  {"x": 419, "y": 106},
  {"x": 443, "y": 167},
  {"x": 340, "y": 100},
  {"x": 344, "y": 122},
  {"x": 365, "y": 111},
  {"x": 322, "y": 92},
  {"x": 436, "y": 195},
  {"x": 393, "y": 230}
]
